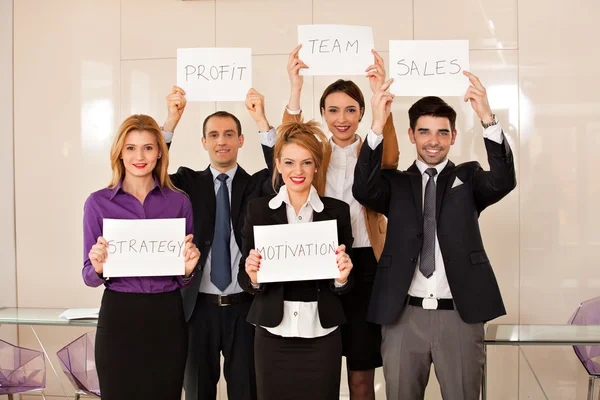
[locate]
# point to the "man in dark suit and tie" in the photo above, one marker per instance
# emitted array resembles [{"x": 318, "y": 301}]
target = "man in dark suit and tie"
[
  {"x": 215, "y": 305},
  {"x": 434, "y": 288}
]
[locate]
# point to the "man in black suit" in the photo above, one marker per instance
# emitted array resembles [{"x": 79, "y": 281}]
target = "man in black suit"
[
  {"x": 215, "y": 305},
  {"x": 434, "y": 287}
]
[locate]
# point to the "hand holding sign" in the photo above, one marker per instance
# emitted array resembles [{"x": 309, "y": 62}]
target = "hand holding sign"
[
  {"x": 176, "y": 103},
  {"x": 477, "y": 95},
  {"x": 191, "y": 255},
  {"x": 253, "y": 265},
  {"x": 98, "y": 254},
  {"x": 293, "y": 68},
  {"x": 376, "y": 72},
  {"x": 344, "y": 264},
  {"x": 381, "y": 104},
  {"x": 255, "y": 104}
]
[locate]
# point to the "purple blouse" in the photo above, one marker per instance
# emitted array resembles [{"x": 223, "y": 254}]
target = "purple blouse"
[{"x": 115, "y": 203}]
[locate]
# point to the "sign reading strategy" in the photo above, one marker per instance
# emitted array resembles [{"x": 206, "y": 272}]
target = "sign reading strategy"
[
  {"x": 215, "y": 74},
  {"x": 335, "y": 49},
  {"x": 144, "y": 247},
  {"x": 297, "y": 252},
  {"x": 429, "y": 67}
]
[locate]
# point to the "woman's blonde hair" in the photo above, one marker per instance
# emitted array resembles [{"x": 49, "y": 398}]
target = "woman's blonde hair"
[
  {"x": 140, "y": 122},
  {"x": 310, "y": 136}
]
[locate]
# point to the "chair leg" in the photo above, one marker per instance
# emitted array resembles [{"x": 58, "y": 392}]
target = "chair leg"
[
  {"x": 77, "y": 396},
  {"x": 591, "y": 388},
  {"x": 10, "y": 397}
]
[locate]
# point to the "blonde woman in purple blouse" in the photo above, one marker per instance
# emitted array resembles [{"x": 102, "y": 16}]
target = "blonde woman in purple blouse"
[{"x": 141, "y": 340}]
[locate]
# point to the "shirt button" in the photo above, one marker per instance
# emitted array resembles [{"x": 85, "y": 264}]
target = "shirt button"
[
  {"x": 431, "y": 295},
  {"x": 295, "y": 313},
  {"x": 300, "y": 217}
]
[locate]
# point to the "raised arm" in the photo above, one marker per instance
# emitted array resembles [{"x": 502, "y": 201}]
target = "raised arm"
[
  {"x": 490, "y": 186},
  {"x": 369, "y": 188},
  {"x": 391, "y": 153}
]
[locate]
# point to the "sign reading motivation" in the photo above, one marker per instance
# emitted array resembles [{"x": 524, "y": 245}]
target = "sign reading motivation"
[
  {"x": 429, "y": 67},
  {"x": 144, "y": 247},
  {"x": 297, "y": 252},
  {"x": 335, "y": 49},
  {"x": 214, "y": 74}
]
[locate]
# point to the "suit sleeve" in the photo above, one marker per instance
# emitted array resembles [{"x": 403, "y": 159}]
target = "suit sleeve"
[
  {"x": 370, "y": 188},
  {"x": 287, "y": 117},
  {"x": 247, "y": 245},
  {"x": 345, "y": 237},
  {"x": 491, "y": 186},
  {"x": 391, "y": 152}
]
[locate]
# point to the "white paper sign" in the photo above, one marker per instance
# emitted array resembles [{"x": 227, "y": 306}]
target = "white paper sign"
[
  {"x": 429, "y": 67},
  {"x": 144, "y": 247},
  {"x": 335, "y": 49},
  {"x": 215, "y": 74},
  {"x": 297, "y": 252}
]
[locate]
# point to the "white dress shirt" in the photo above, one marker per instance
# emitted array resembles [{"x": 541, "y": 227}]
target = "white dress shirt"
[
  {"x": 300, "y": 319},
  {"x": 340, "y": 177},
  {"x": 206, "y": 285},
  {"x": 436, "y": 287}
]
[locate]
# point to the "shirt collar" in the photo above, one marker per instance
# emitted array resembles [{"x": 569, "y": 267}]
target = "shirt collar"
[
  {"x": 351, "y": 149},
  {"x": 119, "y": 187},
  {"x": 282, "y": 197},
  {"x": 440, "y": 167},
  {"x": 230, "y": 173}
]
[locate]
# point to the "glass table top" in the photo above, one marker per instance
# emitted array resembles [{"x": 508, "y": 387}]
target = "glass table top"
[
  {"x": 542, "y": 334},
  {"x": 39, "y": 316}
]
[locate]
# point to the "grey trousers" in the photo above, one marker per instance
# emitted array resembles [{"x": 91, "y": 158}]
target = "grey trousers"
[{"x": 420, "y": 337}]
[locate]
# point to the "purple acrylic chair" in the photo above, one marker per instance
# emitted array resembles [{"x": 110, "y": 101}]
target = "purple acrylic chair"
[
  {"x": 21, "y": 370},
  {"x": 78, "y": 364},
  {"x": 588, "y": 313}
]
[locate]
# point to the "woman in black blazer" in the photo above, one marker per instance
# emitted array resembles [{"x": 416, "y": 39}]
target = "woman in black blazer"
[{"x": 298, "y": 346}]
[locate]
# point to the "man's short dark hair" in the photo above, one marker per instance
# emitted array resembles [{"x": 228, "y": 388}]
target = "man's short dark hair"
[
  {"x": 431, "y": 106},
  {"x": 222, "y": 114}
]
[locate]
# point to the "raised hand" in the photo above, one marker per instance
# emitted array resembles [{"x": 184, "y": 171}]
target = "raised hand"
[
  {"x": 255, "y": 104},
  {"x": 344, "y": 263},
  {"x": 477, "y": 95},
  {"x": 176, "y": 103},
  {"x": 381, "y": 105},
  {"x": 296, "y": 80},
  {"x": 376, "y": 72},
  {"x": 191, "y": 255}
]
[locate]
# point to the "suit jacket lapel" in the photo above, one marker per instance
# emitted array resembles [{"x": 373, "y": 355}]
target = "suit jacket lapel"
[
  {"x": 238, "y": 186},
  {"x": 207, "y": 183},
  {"x": 416, "y": 181},
  {"x": 442, "y": 182},
  {"x": 280, "y": 215}
]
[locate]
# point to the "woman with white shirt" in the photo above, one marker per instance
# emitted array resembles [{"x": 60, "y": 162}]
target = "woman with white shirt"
[
  {"x": 342, "y": 105},
  {"x": 298, "y": 345}
]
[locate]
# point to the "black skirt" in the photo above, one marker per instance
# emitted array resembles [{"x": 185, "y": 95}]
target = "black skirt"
[
  {"x": 297, "y": 368},
  {"x": 141, "y": 346},
  {"x": 361, "y": 339}
]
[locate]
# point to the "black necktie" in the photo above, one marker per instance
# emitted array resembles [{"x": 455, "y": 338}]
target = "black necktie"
[
  {"x": 427, "y": 262},
  {"x": 220, "y": 264}
]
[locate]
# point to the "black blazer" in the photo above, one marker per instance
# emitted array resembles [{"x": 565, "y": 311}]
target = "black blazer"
[
  {"x": 267, "y": 307},
  {"x": 398, "y": 195},
  {"x": 200, "y": 188}
]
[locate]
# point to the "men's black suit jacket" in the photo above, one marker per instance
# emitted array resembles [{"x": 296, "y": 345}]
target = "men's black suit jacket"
[{"x": 398, "y": 195}]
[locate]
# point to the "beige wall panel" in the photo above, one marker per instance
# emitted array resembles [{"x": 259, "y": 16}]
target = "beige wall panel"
[
  {"x": 66, "y": 102},
  {"x": 487, "y": 24},
  {"x": 390, "y": 20},
  {"x": 8, "y": 272},
  {"x": 267, "y": 26},
  {"x": 156, "y": 28}
]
